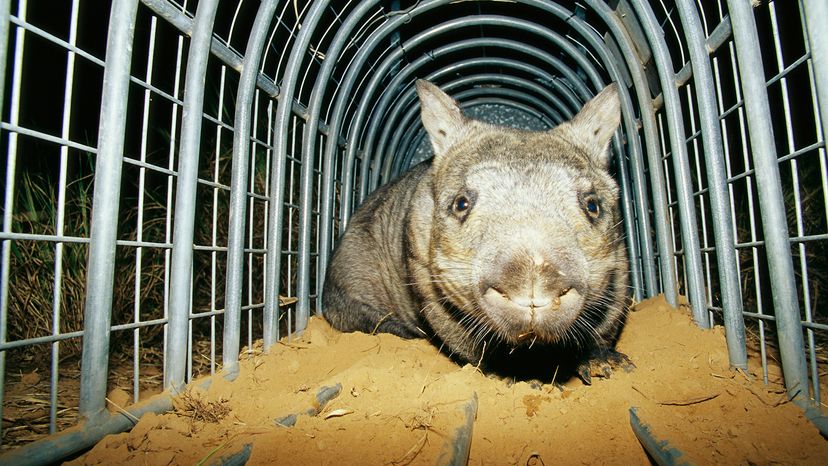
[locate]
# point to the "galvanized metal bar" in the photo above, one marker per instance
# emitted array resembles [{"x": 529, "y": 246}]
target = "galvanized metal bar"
[
  {"x": 681, "y": 167},
  {"x": 8, "y": 204},
  {"x": 180, "y": 304},
  {"x": 292, "y": 68},
  {"x": 719, "y": 35},
  {"x": 5, "y": 12},
  {"x": 660, "y": 449},
  {"x": 724, "y": 236},
  {"x": 793, "y": 164},
  {"x": 168, "y": 217},
  {"x": 238, "y": 192},
  {"x": 104, "y": 223},
  {"x": 136, "y": 305},
  {"x": 57, "y": 283},
  {"x": 771, "y": 204}
]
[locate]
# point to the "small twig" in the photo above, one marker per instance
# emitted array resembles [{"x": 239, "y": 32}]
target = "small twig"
[
  {"x": 641, "y": 393},
  {"x": 293, "y": 345},
  {"x": 122, "y": 410},
  {"x": 689, "y": 401},
  {"x": 413, "y": 451}
]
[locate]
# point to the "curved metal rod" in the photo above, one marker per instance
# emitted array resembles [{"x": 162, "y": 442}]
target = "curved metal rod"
[
  {"x": 185, "y": 197},
  {"x": 238, "y": 194},
  {"x": 97, "y": 315},
  {"x": 656, "y": 176},
  {"x": 717, "y": 184},
  {"x": 771, "y": 202},
  {"x": 309, "y": 138},
  {"x": 681, "y": 165},
  {"x": 276, "y": 207}
]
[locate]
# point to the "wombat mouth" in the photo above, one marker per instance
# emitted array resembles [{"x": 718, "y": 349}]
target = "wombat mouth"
[{"x": 523, "y": 317}]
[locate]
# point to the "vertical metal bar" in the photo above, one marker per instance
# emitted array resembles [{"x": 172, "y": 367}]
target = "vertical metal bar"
[
  {"x": 179, "y": 55},
  {"x": 743, "y": 139},
  {"x": 104, "y": 224},
  {"x": 283, "y": 116},
  {"x": 238, "y": 186},
  {"x": 8, "y": 204},
  {"x": 724, "y": 237},
  {"x": 5, "y": 11},
  {"x": 57, "y": 284},
  {"x": 628, "y": 212},
  {"x": 771, "y": 204},
  {"x": 214, "y": 239},
  {"x": 182, "y": 249},
  {"x": 793, "y": 164},
  {"x": 816, "y": 17},
  {"x": 139, "y": 223},
  {"x": 681, "y": 166}
]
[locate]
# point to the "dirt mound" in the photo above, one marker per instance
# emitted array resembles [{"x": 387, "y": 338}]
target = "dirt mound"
[{"x": 400, "y": 401}]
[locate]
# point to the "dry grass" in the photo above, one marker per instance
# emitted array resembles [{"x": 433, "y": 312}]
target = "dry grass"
[{"x": 198, "y": 409}]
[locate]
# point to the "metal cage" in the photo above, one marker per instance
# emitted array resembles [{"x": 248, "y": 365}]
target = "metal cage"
[{"x": 176, "y": 173}]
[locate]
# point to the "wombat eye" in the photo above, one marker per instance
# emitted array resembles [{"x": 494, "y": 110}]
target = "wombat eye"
[
  {"x": 461, "y": 204},
  {"x": 592, "y": 206}
]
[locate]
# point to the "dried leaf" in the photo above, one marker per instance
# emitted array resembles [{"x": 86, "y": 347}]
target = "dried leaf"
[{"x": 338, "y": 413}]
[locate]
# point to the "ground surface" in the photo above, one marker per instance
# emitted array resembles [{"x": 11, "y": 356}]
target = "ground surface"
[{"x": 400, "y": 401}]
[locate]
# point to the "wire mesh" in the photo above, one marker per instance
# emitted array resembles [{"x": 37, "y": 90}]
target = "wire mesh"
[{"x": 332, "y": 116}]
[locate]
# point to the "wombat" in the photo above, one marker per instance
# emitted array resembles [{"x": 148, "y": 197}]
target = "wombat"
[{"x": 505, "y": 249}]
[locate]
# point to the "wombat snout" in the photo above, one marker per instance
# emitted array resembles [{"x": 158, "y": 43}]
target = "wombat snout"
[{"x": 526, "y": 290}]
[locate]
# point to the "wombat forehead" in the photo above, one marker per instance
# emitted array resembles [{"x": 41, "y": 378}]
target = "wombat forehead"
[
  {"x": 539, "y": 176},
  {"x": 530, "y": 147}
]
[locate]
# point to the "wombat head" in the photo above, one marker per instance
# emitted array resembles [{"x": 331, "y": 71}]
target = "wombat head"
[{"x": 525, "y": 240}]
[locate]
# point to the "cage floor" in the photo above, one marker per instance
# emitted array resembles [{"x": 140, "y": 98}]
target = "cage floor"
[{"x": 399, "y": 401}]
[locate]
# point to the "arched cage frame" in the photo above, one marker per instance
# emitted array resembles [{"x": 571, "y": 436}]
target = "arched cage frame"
[{"x": 230, "y": 142}]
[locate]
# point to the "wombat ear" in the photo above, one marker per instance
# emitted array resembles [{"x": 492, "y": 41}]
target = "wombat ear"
[
  {"x": 595, "y": 124},
  {"x": 442, "y": 117}
]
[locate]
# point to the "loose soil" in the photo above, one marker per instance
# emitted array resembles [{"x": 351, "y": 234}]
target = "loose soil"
[{"x": 400, "y": 404}]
